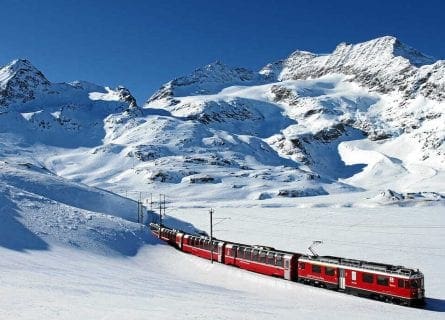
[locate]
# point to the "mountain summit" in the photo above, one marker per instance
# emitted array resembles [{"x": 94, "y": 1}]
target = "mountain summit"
[
  {"x": 18, "y": 82},
  {"x": 206, "y": 80}
]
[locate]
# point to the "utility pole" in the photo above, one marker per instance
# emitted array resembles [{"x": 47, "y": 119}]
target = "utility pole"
[
  {"x": 151, "y": 201},
  {"x": 160, "y": 214},
  {"x": 211, "y": 234},
  {"x": 139, "y": 210}
]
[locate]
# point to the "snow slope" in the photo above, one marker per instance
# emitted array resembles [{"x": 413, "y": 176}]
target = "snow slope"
[
  {"x": 162, "y": 282},
  {"x": 39, "y": 208}
]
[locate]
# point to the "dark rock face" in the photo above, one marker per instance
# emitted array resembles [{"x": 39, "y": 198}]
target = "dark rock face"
[
  {"x": 21, "y": 81},
  {"x": 283, "y": 94},
  {"x": 307, "y": 192}
]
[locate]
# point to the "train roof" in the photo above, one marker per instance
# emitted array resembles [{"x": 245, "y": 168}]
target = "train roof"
[
  {"x": 366, "y": 265},
  {"x": 263, "y": 248}
]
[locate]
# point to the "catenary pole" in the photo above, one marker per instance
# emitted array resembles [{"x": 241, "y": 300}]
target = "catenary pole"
[
  {"x": 211, "y": 235},
  {"x": 160, "y": 214}
]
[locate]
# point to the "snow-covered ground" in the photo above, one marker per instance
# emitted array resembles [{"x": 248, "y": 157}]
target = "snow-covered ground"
[
  {"x": 160, "y": 282},
  {"x": 69, "y": 251}
]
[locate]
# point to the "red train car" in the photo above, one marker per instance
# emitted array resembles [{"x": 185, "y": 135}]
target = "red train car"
[
  {"x": 369, "y": 279},
  {"x": 168, "y": 235},
  {"x": 262, "y": 260},
  {"x": 202, "y": 247}
]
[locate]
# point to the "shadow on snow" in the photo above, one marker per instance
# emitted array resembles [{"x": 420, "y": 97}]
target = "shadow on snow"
[{"x": 13, "y": 234}]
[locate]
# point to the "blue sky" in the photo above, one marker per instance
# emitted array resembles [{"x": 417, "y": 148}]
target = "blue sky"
[{"x": 142, "y": 44}]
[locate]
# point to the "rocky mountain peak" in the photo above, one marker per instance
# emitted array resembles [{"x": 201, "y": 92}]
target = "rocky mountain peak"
[
  {"x": 126, "y": 96},
  {"x": 18, "y": 64},
  {"x": 21, "y": 68},
  {"x": 209, "y": 79},
  {"x": 383, "y": 64},
  {"x": 18, "y": 81},
  {"x": 379, "y": 51}
]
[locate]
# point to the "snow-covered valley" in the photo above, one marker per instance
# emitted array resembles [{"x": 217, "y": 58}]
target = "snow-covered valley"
[
  {"x": 160, "y": 281},
  {"x": 347, "y": 148}
]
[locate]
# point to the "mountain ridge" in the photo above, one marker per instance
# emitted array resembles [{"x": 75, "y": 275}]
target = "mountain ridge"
[{"x": 296, "y": 127}]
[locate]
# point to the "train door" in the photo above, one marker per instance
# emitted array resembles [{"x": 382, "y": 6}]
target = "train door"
[
  {"x": 287, "y": 267},
  {"x": 341, "y": 279},
  {"x": 179, "y": 237},
  {"x": 221, "y": 252}
]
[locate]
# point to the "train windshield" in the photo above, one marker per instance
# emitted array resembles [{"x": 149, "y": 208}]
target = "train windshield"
[{"x": 415, "y": 283}]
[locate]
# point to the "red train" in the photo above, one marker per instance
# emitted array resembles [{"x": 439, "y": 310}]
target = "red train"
[{"x": 384, "y": 282}]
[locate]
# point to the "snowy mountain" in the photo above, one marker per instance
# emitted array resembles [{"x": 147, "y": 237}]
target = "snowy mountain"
[
  {"x": 308, "y": 106},
  {"x": 383, "y": 64},
  {"x": 299, "y": 126},
  {"x": 18, "y": 82},
  {"x": 58, "y": 114}
]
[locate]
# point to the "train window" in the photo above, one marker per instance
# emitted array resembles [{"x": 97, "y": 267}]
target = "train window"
[
  {"x": 316, "y": 268},
  {"x": 301, "y": 265},
  {"x": 247, "y": 254},
  {"x": 240, "y": 253},
  {"x": 279, "y": 260},
  {"x": 414, "y": 283},
  {"x": 329, "y": 271},
  {"x": 382, "y": 280},
  {"x": 401, "y": 283},
  {"x": 407, "y": 284},
  {"x": 270, "y": 258},
  {"x": 255, "y": 255},
  {"x": 367, "y": 277},
  {"x": 262, "y": 257},
  {"x": 286, "y": 264}
]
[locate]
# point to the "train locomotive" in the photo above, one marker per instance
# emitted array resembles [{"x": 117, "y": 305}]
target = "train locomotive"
[{"x": 390, "y": 283}]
